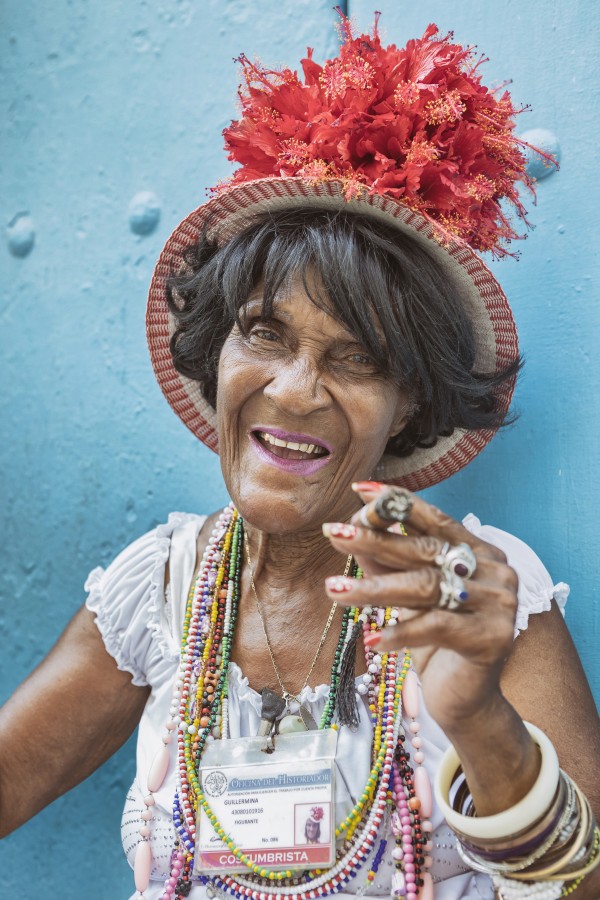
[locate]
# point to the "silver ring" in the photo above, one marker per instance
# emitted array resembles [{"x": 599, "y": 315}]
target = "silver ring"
[
  {"x": 452, "y": 593},
  {"x": 456, "y": 561}
]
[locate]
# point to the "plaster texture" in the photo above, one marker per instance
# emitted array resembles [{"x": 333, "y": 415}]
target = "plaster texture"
[{"x": 110, "y": 134}]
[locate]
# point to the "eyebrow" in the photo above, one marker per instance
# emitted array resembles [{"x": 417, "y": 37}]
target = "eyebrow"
[{"x": 258, "y": 299}]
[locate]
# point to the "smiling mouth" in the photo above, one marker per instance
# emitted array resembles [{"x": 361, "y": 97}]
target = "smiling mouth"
[{"x": 290, "y": 449}]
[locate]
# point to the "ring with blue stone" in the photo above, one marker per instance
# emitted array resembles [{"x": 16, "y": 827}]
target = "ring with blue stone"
[{"x": 452, "y": 593}]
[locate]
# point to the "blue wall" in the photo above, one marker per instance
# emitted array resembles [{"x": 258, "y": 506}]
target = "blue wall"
[{"x": 104, "y": 102}]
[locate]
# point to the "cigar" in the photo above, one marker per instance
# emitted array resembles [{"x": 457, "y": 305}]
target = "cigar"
[{"x": 392, "y": 505}]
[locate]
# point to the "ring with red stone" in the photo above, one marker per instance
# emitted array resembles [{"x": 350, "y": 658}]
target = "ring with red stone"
[{"x": 456, "y": 560}]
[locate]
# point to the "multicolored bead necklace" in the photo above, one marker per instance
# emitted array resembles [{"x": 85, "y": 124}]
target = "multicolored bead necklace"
[{"x": 199, "y": 714}]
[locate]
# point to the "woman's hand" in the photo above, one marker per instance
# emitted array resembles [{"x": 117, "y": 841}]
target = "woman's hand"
[{"x": 458, "y": 654}]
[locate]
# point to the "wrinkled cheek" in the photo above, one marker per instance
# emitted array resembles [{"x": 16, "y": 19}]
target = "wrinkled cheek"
[
  {"x": 232, "y": 469},
  {"x": 229, "y": 440},
  {"x": 371, "y": 437}
]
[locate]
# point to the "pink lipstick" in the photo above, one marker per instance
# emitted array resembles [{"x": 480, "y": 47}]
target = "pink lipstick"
[{"x": 301, "y": 459}]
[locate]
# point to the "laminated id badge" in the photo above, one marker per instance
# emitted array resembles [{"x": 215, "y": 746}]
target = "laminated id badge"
[{"x": 277, "y": 808}]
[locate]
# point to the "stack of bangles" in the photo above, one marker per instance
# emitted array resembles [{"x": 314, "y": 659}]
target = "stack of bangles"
[{"x": 543, "y": 847}]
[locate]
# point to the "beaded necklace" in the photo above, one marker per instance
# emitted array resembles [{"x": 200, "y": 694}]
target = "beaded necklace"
[{"x": 199, "y": 714}]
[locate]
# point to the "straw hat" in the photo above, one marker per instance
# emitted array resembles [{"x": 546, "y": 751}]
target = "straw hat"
[{"x": 408, "y": 136}]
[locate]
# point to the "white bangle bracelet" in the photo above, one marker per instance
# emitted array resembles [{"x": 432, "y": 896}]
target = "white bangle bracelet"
[{"x": 511, "y": 821}]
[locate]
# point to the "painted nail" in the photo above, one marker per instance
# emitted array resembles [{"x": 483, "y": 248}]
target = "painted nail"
[
  {"x": 372, "y": 639},
  {"x": 339, "y": 530},
  {"x": 368, "y": 487},
  {"x": 337, "y": 584}
]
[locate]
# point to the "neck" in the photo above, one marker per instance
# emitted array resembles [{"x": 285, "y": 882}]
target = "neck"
[
  {"x": 294, "y": 563},
  {"x": 289, "y": 571}
]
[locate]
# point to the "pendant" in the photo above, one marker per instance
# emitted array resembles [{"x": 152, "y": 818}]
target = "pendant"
[
  {"x": 291, "y": 724},
  {"x": 309, "y": 722},
  {"x": 272, "y": 708}
]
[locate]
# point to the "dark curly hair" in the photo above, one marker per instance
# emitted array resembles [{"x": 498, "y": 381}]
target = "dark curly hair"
[{"x": 373, "y": 279}]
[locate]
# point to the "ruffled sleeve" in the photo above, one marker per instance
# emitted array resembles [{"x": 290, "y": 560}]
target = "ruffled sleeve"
[
  {"x": 536, "y": 588},
  {"x": 128, "y": 600}
]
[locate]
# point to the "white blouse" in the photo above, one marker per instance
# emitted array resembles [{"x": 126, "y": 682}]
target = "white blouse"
[{"x": 141, "y": 628}]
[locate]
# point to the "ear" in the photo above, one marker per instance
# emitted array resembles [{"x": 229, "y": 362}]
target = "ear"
[{"x": 405, "y": 410}]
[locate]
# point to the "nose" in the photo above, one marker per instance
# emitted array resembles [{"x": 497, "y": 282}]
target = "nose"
[{"x": 297, "y": 387}]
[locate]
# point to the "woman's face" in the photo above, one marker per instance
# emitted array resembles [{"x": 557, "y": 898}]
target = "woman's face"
[
  {"x": 302, "y": 412},
  {"x": 311, "y": 830}
]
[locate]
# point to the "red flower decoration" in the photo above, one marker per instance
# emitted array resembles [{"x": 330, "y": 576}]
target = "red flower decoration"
[
  {"x": 413, "y": 123},
  {"x": 317, "y": 813}
]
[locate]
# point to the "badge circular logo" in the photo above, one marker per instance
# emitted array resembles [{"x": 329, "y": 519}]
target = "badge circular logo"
[{"x": 215, "y": 784}]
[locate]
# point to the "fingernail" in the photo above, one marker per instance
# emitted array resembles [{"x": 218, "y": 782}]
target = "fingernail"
[
  {"x": 372, "y": 639},
  {"x": 368, "y": 487},
  {"x": 337, "y": 584},
  {"x": 339, "y": 530}
]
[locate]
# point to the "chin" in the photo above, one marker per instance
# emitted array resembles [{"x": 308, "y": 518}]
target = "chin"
[{"x": 278, "y": 502}]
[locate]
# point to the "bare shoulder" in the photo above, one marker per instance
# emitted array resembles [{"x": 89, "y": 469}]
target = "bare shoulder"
[{"x": 545, "y": 682}]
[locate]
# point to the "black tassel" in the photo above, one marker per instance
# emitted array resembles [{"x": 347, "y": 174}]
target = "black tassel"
[{"x": 347, "y": 706}]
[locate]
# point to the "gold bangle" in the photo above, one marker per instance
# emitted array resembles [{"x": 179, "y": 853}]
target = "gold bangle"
[
  {"x": 562, "y": 800},
  {"x": 551, "y": 862},
  {"x": 592, "y": 863},
  {"x": 508, "y": 868},
  {"x": 553, "y": 871}
]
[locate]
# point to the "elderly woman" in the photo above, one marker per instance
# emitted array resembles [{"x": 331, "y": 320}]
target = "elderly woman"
[{"x": 330, "y": 638}]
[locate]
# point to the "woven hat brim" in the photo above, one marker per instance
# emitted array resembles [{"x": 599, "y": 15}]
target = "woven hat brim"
[{"x": 228, "y": 213}]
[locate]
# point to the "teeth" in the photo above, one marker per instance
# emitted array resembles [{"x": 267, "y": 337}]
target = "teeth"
[{"x": 291, "y": 445}]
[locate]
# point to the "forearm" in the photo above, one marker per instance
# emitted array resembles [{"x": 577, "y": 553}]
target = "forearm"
[
  {"x": 78, "y": 721},
  {"x": 72, "y": 750},
  {"x": 499, "y": 759}
]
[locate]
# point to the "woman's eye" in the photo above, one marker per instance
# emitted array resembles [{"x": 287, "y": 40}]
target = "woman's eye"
[
  {"x": 361, "y": 365},
  {"x": 362, "y": 359},
  {"x": 263, "y": 334}
]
